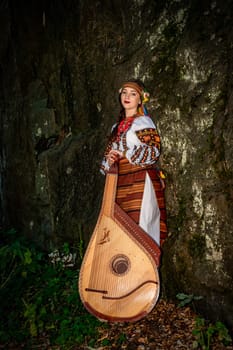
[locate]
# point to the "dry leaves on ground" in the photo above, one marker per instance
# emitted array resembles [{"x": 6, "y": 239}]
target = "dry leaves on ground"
[{"x": 166, "y": 327}]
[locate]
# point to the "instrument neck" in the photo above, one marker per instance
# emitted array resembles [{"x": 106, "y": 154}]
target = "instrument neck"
[{"x": 109, "y": 195}]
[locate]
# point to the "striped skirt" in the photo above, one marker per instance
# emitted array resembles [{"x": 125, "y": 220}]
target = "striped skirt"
[{"x": 130, "y": 189}]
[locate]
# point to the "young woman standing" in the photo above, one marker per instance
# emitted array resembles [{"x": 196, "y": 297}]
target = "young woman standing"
[{"x": 135, "y": 145}]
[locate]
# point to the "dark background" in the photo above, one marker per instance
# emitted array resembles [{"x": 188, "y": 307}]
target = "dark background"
[{"x": 62, "y": 63}]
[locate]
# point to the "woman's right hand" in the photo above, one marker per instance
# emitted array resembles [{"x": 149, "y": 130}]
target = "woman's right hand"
[{"x": 113, "y": 156}]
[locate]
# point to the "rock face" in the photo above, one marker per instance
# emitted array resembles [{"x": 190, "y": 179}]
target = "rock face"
[{"x": 62, "y": 64}]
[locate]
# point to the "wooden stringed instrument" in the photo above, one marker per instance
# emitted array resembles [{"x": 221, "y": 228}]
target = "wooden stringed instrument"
[{"x": 119, "y": 278}]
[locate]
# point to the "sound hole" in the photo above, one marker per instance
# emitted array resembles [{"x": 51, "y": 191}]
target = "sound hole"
[{"x": 120, "y": 264}]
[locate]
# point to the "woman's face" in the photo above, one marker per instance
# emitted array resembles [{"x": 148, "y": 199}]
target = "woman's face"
[{"x": 130, "y": 99}]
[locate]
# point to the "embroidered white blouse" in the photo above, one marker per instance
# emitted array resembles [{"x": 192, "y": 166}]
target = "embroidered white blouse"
[{"x": 140, "y": 143}]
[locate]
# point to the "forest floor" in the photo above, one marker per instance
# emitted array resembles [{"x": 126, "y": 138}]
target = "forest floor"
[{"x": 167, "y": 327}]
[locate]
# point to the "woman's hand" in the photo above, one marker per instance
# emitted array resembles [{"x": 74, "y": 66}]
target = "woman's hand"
[{"x": 113, "y": 156}]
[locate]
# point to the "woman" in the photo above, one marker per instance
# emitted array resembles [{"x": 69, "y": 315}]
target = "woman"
[{"x": 135, "y": 145}]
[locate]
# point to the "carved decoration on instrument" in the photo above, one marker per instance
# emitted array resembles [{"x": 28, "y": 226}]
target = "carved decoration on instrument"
[{"x": 105, "y": 237}]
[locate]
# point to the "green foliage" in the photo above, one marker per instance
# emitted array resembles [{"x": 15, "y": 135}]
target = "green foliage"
[
  {"x": 121, "y": 339},
  {"x": 106, "y": 342},
  {"x": 205, "y": 333},
  {"x": 187, "y": 298},
  {"x": 39, "y": 298}
]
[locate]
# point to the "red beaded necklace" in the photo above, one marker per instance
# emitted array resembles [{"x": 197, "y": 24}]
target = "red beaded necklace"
[{"x": 125, "y": 124}]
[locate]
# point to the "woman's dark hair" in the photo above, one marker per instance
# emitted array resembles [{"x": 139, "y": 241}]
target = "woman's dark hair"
[{"x": 122, "y": 111}]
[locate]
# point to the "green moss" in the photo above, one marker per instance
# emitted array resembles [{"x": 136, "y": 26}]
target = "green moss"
[
  {"x": 180, "y": 218},
  {"x": 181, "y": 265},
  {"x": 171, "y": 275},
  {"x": 196, "y": 246}
]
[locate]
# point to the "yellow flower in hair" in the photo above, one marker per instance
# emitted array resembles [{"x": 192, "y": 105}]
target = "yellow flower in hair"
[{"x": 145, "y": 96}]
